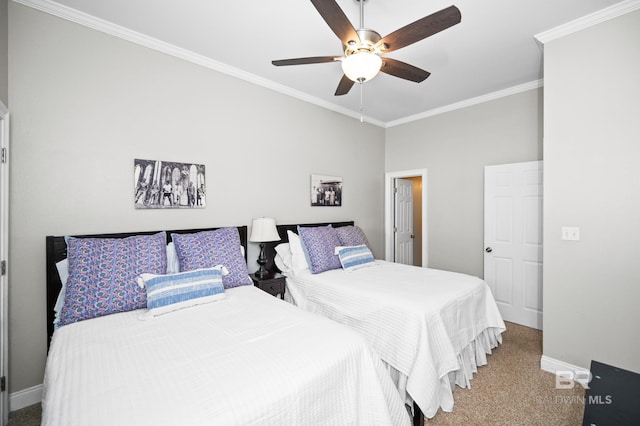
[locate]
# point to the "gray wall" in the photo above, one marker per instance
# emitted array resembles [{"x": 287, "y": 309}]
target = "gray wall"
[
  {"x": 454, "y": 147},
  {"x": 85, "y": 104},
  {"x": 4, "y": 58},
  {"x": 592, "y": 180}
]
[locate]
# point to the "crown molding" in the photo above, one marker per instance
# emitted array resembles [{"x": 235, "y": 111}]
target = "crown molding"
[
  {"x": 110, "y": 28},
  {"x": 470, "y": 102},
  {"x": 587, "y": 21},
  {"x": 101, "y": 25}
]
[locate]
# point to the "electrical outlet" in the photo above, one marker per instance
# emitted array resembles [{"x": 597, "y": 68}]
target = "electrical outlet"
[{"x": 571, "y": 233}]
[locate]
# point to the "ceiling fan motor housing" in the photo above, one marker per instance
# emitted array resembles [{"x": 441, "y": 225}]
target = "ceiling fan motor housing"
[{"x": 367, "y": 42}]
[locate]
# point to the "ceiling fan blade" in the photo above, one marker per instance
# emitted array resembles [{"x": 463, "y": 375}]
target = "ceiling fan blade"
[
  {"x": 403, "y": 70},
  {"x": 302, "y": 61},
  {"x": 421, "y": 29},
  {"x": 344, "y": 86},
  {"x": 337, "y": 20}
]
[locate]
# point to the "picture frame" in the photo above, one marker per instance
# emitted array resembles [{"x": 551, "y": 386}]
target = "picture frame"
[
  {"x": 326, "y": 191},
  {"x": 168, "y": 185}
]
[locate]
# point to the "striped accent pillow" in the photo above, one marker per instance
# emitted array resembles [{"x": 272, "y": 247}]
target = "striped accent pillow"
[
  {"x": 167, "y": 293},
  {"x": 355, "y": 257}
]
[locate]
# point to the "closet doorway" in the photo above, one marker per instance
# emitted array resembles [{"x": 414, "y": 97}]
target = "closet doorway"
[{"x": 397, "y": 210}]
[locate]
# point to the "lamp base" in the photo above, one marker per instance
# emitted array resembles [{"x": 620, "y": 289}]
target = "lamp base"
[
  {"x": 262, "y": 273},
  {"x": 262, "y": 260}
]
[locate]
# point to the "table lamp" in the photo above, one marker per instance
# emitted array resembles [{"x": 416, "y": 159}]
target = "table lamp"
[{"x": 263, "y": 230}]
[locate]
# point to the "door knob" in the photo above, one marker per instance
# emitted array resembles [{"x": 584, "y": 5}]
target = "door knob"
[{"x": 488, "y": 249}]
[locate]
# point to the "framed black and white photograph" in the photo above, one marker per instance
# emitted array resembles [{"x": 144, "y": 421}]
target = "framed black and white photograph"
[
  {"x": 326, "y": 191},
  {"x": 168, "y": 185}
]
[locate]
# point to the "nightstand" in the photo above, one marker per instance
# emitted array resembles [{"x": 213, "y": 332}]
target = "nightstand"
[{"x": 272, "y": 283}]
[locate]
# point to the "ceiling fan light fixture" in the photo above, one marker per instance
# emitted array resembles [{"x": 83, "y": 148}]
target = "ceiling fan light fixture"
[{"x": 361, "y": 66}]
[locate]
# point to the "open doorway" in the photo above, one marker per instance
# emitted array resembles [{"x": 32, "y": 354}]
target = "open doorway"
[{"x": 418, "y": 214}]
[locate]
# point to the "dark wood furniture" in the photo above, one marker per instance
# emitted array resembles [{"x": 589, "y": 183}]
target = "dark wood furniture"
[
  {"x": 612, "y": 397},
  {"x": 56, "y": 247},
  {"x": 273, "y": 283}
]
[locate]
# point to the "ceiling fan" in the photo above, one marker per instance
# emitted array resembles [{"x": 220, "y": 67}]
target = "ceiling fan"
[{"x": 363, "y": 48}]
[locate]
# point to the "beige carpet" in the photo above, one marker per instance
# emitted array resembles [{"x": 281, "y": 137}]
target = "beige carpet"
[{"x": 510, "y": 390}]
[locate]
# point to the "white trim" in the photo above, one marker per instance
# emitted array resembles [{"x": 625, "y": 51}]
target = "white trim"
[
  {"x": 388, "y": 209},
  {"x": 469, "y": 102},
  {"x": 587, "y": 21},
  {"x": 557, "y": 367},
  {"x": 110, "y": 28},
  {"x": 25, "y": 397},
  {"x": 4, "y": 256},
  {"x": 101, "y": 25}
]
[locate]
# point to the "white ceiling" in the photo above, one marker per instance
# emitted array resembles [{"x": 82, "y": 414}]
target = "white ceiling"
[{"x": 491, "y": 50}]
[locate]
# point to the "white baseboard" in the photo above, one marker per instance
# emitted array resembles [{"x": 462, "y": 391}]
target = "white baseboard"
[
  {"x": 561, "y": 368},
  {"x": 25, "y": 397}
]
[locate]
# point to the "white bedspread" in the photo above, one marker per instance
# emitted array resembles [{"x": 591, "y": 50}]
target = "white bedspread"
[
  {"x": 249, "y": 359},
  {"x": 425, "y": 323}
]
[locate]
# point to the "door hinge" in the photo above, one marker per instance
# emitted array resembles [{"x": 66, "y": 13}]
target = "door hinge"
[
  {"x": 395, "y": 189},
  {"x": 3, "y": 267},
  {"x": 395, "y": 229},
  {"x": 3, "y": 384},
  {"x": 3, "y": 155}
]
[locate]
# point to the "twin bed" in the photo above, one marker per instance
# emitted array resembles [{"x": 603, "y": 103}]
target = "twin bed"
[
  {"x": 432, "y": 328},
  {"x": 248, "y": 358}
]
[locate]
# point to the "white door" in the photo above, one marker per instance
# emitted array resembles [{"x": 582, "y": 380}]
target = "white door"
[
  {"x": 403, "y": 225},
  {"x": 4, "y": 279},
  {"x": 513, "y": 240}
]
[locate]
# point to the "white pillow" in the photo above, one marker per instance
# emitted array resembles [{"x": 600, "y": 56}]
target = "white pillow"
[
  {"x": 281, "y": 265},
  {"x": 63, "y": 272},
  {"x": 298, "y": 258},
  {"x": 283, "y": 254},
  {"x": 173, "y": 264}
]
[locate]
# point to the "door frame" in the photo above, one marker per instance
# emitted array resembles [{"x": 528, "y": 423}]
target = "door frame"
[
  {"x": 4, "y": 256},
  {"x": 389, "y": 211}
]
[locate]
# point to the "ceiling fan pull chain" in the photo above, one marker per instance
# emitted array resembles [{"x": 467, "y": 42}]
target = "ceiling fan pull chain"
[{"x": 361, "y": 102}]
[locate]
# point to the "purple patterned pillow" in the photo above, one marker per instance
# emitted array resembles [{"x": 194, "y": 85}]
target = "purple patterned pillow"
[
  {"x": 207, "y": 249},
  {"x": 352, "y": 236},
  {"x": 319, "y": 243},
  {"x": 103, "y": 272}
]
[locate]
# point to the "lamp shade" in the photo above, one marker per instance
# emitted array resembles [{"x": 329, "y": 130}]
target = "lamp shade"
[
  {"x": 264, "y": 229},
  {"x": 361, "y": 66}
]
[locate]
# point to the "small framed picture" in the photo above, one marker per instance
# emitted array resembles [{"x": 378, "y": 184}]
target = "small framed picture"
[
  {"x": 168, "y": 185},
  {"x": 326, "y": 191}
]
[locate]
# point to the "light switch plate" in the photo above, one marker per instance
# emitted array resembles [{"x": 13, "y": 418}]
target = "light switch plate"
[{"x": 571, "y": 233}]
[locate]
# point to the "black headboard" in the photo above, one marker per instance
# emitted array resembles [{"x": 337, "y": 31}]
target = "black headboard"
[
  {"x": 270, "y": 248},
  {"x": 57, "y": 250}
]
